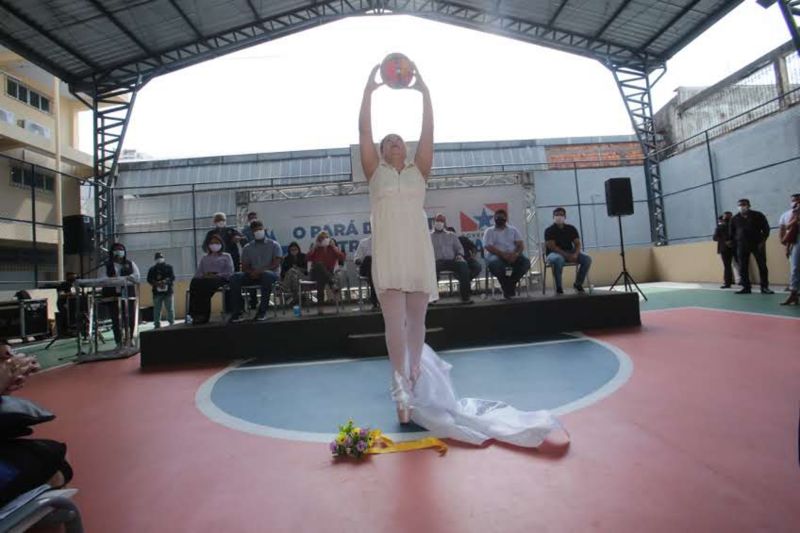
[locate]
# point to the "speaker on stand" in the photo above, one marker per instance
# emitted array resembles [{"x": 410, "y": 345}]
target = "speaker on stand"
[
  {"x": 78, "y": 236},
  {"x": 619, "y": 203}
]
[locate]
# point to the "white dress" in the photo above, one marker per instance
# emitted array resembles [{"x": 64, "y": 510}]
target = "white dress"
[
  {"x": 402, "y": 253},
  {"x": 435, "y": 406}
]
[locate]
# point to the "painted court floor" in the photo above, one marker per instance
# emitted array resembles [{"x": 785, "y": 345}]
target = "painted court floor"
[{"x": 689, "y": 423}]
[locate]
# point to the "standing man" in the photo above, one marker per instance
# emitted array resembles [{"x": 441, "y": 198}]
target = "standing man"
[
  {"x": 260, "y": 261},
  {"x": 449, "y": 255},
  {"x": 750, "y": 230},
  {"x": 789, "y": 223},
  {"x": 363, "y": 260},
  {"x": 230, "y": 238},
  {"x": 504, "y": 244},
  {"x": 725, "y": 247},
  {"x": 161, "y": 278},
  {"x": 564, "y": 246}
]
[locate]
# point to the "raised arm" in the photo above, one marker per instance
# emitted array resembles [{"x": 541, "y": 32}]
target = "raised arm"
[
  {"x": 369, "y": 155},
  {"x": 424, "y": 157}
]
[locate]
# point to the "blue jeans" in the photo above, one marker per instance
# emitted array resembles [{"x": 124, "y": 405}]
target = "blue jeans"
[
  {"x": 557, "y": 262},
  {"x": 497, "y": 266},
  {"x": 265, "y": 281},
  {"x": 794, "y": 268},
  {"x": 165, "y": 300}
]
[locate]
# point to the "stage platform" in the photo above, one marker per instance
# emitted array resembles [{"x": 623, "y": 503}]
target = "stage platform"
[{"x": 354, "y": 333}]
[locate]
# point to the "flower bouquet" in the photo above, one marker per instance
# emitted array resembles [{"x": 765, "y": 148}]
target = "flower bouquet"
[{"x": 353, "y": 441}]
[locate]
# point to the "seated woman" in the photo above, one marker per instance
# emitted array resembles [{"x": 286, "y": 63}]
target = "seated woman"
[
  {"x": 293, "y": 269},
  {"x": 323, "y": 259},
  {"x": 215, "y": 268},
  {"x": 26, "y": 463}
]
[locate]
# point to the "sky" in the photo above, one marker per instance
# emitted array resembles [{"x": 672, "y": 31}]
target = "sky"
[{"x": 303, "y": 91}]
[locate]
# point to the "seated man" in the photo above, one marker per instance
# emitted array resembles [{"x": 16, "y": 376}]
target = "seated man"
[
  {"x": 471, "y": 254},
  {"x": 322, "y": 260},
  {"x": 504, "y": 244},
  {"x": 119, "y": 266},
  {"x": 449, "y": 255},
  {"x": 564, "y": 246},
  {"x": 260, "y": 261},
  {"x": 363, "y": 260}
]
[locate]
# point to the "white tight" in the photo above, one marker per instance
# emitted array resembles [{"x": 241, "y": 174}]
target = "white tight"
[{"x": 404, "y": 317}]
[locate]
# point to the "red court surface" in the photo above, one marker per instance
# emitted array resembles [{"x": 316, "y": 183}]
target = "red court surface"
[{"x": 703, "y": 437}]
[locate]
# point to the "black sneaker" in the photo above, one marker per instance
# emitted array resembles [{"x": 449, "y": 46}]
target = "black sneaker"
[
  {"x": 578, "y": 287},
  {"x": 467, "y": 301},
  {"x": 236, "y": 318},
  {"x": 559, "y": 290},
  {"x": 746, "y": 290},
  {"x": 767, "y": 290},
  {"x": 726, "y": 286},
  {"x": 261, "y": 317}
]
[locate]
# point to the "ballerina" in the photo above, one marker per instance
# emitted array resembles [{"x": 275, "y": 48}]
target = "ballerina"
[{"x": 404, "y": 276}]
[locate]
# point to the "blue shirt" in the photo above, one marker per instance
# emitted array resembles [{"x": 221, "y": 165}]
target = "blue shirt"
[{"x": 502, "y": 239}]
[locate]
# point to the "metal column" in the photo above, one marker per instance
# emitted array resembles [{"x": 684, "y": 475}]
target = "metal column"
[{"x": 634, "y": 85}]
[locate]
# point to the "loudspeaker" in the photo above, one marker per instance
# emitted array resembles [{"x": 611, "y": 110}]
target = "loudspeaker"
[
  {"x": 619, "y": 197},
  {"x": 78, "y": 234}
]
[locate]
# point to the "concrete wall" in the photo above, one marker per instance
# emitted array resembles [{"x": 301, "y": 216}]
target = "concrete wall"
[{"x": 769, "y": 143}]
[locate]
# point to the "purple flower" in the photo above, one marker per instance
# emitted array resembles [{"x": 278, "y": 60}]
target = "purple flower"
[
  {"x": 364, "y": 432},
  {"x": 348, "y": 441},
  {"x": 334, "y": 447},
  {"x": 361, "y": 446}
]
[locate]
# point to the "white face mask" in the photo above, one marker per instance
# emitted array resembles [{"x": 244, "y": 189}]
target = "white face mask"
[
  {"x": 215, "y": 247},
  {"x": 161, "y": 260},
  {"x": 324, "y": 242},
  {"x": 259, "y": 234},
  {"x": 119, "y": 253},
  {"x": 559, "y": 219},
  {"x": 438, "y": 226},
  {"x": 743, "y": 209},
  {"x": 220, "y": 224}
]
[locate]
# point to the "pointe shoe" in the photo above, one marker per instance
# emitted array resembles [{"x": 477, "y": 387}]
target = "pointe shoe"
[
  {"x": 793, "y": 299},
  {"x": 400, "y": 394}
]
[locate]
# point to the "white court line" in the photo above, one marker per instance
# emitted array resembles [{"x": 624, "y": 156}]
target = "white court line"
[
  {"x": 206, "y": 406},
  {"x": 700, "y": 307}
]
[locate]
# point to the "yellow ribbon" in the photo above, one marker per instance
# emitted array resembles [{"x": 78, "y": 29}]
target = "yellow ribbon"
[{"x": 383, "y": 444}]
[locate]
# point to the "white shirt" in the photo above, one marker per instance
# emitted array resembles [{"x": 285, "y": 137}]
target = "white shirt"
[
  {"x": 364, "y": 250},
  {"x": 784, "y": 220},
  {"x": 503, "y": 239}
]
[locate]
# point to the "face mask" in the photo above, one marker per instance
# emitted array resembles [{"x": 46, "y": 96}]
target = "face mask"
[
  {"x": 559, "y": 219},
  {"x": 161, "y": 261},
  {"x": 438, "y": 226},
  {"x": 220, "y": 224},
  {"x": 259, "y": 234},
  {"x": 119, "y": 253},
  {"x": 743, "y": 209},
  {"x": 324, "y": 242},
  {"x": 500, "y": 221},
  {"x": 215, "y": 247}
]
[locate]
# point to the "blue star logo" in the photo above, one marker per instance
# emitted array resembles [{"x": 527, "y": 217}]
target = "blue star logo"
[{"x": 484, "y": 219}]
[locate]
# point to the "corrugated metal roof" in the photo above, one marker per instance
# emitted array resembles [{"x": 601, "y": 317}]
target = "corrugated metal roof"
[{"x": 109, "y": 43}]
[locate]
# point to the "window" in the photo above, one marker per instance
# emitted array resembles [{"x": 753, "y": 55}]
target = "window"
[
  {"x": 23, "y": 176},
  {"x": 11, "y": 87},
  {"x": 17, "y": 90}
]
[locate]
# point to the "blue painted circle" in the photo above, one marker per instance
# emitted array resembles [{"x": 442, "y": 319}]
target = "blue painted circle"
[{"x": 317, "y": 397}]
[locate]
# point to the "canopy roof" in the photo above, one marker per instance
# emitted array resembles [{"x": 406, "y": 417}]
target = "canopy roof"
[{"x": 105, "y": 44}]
